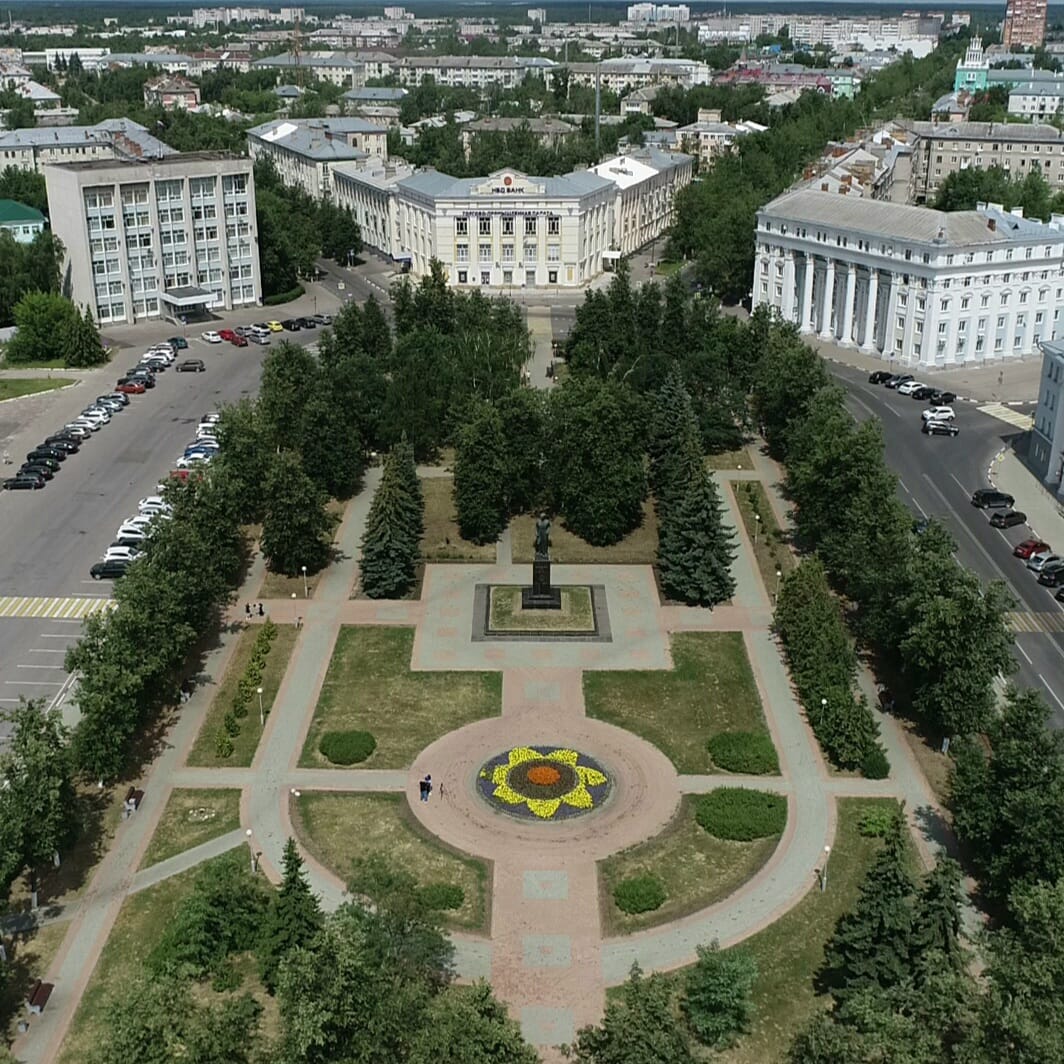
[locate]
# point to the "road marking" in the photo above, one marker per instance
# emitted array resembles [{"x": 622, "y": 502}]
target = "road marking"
[
  {"x": 1025, "y": 654},
  {"x": 58, "y": 608},
  {"x": 60, "y": 667},
  {"x": 1035, "y": 622},
  {"x": 33, "y": 683},
  {"x": 1008, "y": 415},
  {"x": 53, "y": 635},
  {"x": 1051, "y": 691},
  {"x": 45, "y": 650}
]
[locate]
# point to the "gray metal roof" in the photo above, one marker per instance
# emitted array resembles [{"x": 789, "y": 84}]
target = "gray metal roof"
[
  {"x": 78, "y": 136},
  {"x": 987, "y": 131},
  {"x": 575, "y": 185},
  {"x": 310, "y": 60},
  {"x": 323, "y": 139},
  {"x": 378, "y": 94},
  {"x": 919, "y": 225},
  {"x": 508, "y": 125}
]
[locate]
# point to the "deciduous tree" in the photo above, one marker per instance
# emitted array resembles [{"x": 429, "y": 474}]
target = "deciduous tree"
[
  {"x": 480, "y": 475},
  {"x": 296, "y": 526}
]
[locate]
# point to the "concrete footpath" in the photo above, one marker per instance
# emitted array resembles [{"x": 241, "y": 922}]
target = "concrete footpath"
[{"x": 1045, "y": 513}]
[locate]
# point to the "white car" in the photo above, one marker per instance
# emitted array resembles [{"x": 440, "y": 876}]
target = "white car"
[
  {"x": 131, "y": 532},
  {"x": 211, "y": 337},
  {"x": 96, "y": 412},
  {"x": 938, "y": 413},
  {"x": 139, "y": 521},
  {"x": 189, "y": 461},
  {"x": 1037, "y": 562},
  {"x": 82, "y": 432},
  {"x": 125, "y": 554},
  {"x": 167, "y": 355},
  {"x": 211, "y": 419},
  {"x": 152, "y": 502},
  {"x": 82, "y": 422},
  {"x": 207, "y": 432},
  {"x": 909, "y": 387}
]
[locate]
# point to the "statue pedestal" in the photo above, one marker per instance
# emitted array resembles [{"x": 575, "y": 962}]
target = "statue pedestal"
[{"x": 541, "y": 596}]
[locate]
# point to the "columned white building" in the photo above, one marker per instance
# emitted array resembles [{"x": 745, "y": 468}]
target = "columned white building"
[{"x": 925, "y": 288}]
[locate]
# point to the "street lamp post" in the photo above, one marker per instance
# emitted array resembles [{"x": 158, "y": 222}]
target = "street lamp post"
[
  {"x": 824, "y": 874},
  {"x": 306, "y": 591},
  {"x": 251, "y": 847},
  {"x": 262, "y": 716},
  {"x": 757, "y": 527},
  {"x": 776, "y": 595}
]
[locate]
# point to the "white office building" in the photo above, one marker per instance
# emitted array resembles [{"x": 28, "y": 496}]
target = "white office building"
[
  {"x": 925, "y": 288},
  {"x": 1046, "y": 449},
  {"x": 165, "y": 237}
]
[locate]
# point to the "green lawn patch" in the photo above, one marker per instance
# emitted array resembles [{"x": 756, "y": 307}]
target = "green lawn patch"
[
  {"x": 576, "y": 614},
  {"x": 668, "y": 268},
  {"x": 695, "y": 869},
  {"x": 246, "y": 742},
  {"x": 442, "y": 542},
  {"x": 28, "y": 958},
  {"x": 709, "y": 690},
  {"x": 369, "y": 687},
  {"x": 770, "y": 549},
  {"x": 737, "y": 459},
  {"x": 639, "y": 547},
  {"x": 17, "y": 387},
  {"x": 338, "y": 828},
  {"x": 193, "y": 816},
  {"x": 751, "y": 753}
]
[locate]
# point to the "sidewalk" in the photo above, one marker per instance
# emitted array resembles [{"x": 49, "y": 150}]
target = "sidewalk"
[{"x": 1045, "y": 515}]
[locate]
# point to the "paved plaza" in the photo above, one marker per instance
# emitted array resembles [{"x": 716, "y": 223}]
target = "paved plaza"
[{"x": 546, "y": 955}]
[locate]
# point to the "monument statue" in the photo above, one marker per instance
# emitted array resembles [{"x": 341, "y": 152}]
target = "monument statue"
[{"x": 543, "y": 537}]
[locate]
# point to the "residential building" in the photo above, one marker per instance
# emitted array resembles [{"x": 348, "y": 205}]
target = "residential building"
[
  {"x": 536, "y": 14},
  {"x": 550, "y": 132},
  {"x": 165, "y": 237},
  {"x": 340, "y": 68},
  {"x": 1045, "y": 452},
  {"x": 709, "y": 136},
  {"x": 167, "y": 62},
  {"x": 639, "y": 102},
  {"x": 171, "y": 93},
  {"x": 1037, "y": 101},
  {"x": 114, "y": 138},
  {"x": 1025, "y": 24},
  {"x": 304, "y": 151},
  {"x": 22, "y": 222},
  {"x": 213, "y": 17},
  {"x": 940, "y": 149},
  {"x": 620, "y": 75},
  {"x": 659, "y": 13},
  {"x": 920, "y": 287},
  {"x": 472, "y": 71},
  {"x": 374, "y": 96}
]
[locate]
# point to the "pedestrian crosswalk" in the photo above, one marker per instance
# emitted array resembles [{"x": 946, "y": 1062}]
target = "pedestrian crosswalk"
[
  {"x": 69, "y": 608},
  {"x": 1037, "y": 622},
  {"x": 1008, "y": 414}
]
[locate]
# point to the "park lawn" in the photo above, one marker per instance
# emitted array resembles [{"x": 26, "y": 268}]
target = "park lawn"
[
  {"x": 790, "y": 952},
  {"x": 337, "y": 829},
  {"x": 710, "y": 689},
  {"x": 668, "y": 268},
  {"x": 738, "y": 459},
  {"x": 370, "y": 687},
  {"x": 28, "y": 958},
  {"x": 139, "y": 925},
  {"x": 639, "y": 547},
  {"x": 193, "y": 816},
  {"x": 442, "y": 542},
  {"x": 244, "y": 745},
  {"x": 51, "y": 363},
  {"x": 17, "y": 387},
  {"x": 279, "y": 586},
  {"x": 771, "y": 550},
  {"x": 576, "y": 613},
  {"x": 695, "y": 868}
]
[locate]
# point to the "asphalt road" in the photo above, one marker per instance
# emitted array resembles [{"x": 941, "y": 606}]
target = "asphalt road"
[
  {"x": 937, "y": 476},
  {"x": 51, "y": 537}
]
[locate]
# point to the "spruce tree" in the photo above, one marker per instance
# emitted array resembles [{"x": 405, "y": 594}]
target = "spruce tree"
[
  {"x": 405, "y": 471},
  {"x": 391, "y": 542},
  {"x": 695, "y": 547},
  {"x": 871, "y": 945},
  {"x": 717, "y": 994},
  {"x": 294, "y": 917},
  {"x": 480, "y": 475},
  {"x": 937, "y": 921},
  {"x": 674, "y": 445}
]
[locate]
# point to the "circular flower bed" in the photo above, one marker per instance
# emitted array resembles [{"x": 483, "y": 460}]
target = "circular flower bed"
[{"x": 543, "y": 784}]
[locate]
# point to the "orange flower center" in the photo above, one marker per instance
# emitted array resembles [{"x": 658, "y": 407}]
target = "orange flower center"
[{"x": 543, "y": 776}]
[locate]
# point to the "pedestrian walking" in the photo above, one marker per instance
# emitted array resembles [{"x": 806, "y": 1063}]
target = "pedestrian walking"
[
  {"x": 299, "y": 623},
  {"x": 262, "y": 612},
  {"x": 247, "y": 610},
  {"x": 425, "y": 787}
]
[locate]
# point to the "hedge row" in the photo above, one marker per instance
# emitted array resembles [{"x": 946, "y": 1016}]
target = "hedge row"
[{"x": 246, "y": 688}]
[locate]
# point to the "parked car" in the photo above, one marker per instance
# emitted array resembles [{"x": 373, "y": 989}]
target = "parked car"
[
  {"x": 897, "y": 379},
  {"x": 79, "y": 432},
  {"x": 291, "y": 325},
  {"x": 187, "y": 461},
  {"x": 260, "y": 336},
  {"x": 35, "y": 469},
  {"x": 33, "y": 458},
  {"x": 152, "y": 502},
  {"x": 144, "y": 378},
  {"x": 923, "y": 392},
  {"x": 938, "y": 413},
  {"x": 23, "y": 482},
  {"x": 909, "y": 386},
  {"x": 128, "y": 541},
  {"x": 211, "y": 337},
  {"x": 307, "y": 323},
  {"x": 1059, "y": 596},
  {"x": 212, "y": 417},
  {"x": 191, "y": 365},
  {"x": 53, "y": 454},
  {"x": 131, "y": 533},
  {"x": 942, "y": 398},
  {"x": 990, "y": 498},
  {"x": 93, "y": 413},
  {"x": 114, "y": 403},
  {"x": 178, "y": 343},
  {"x": 325, "y": 319},
  {"x": 1029, "y": 547},
  {"x": 1043, "y": 557},
  {"x": 243, "y": 330},
  {"x": 112, "y": 569},
  {"x": 274, "y": 326},
  {"x": 226, "y": 334},
  {"x": 1007, "y": 518},
  {"x": 1052, "y": 575},
  {"x": 128, "y": 386},
  {"x": 115, "y": 553},
  {"x": 63, "y": 443},
  {"x": 939, "y": 428}
]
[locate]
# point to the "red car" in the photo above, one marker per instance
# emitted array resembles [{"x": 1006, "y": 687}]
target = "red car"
[
  {"x": 226, "y": 334},
  {"x": 1030, "y": 547},
  {"x": 236, "y": 339},
  {"x": 130, "y": 387}
]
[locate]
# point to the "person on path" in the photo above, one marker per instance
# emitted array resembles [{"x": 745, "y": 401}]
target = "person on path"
[
  {"x": 262, "y": 612},
  {"x": 247, "y": 610},
  {"x": 425, "y": 787}
]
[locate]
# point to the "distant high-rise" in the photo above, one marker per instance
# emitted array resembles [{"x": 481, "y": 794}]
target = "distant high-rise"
[{"x": 1025, "y": 23}]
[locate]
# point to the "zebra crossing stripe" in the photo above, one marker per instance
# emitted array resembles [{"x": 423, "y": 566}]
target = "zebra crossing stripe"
[{"x": 58, "y": 607}]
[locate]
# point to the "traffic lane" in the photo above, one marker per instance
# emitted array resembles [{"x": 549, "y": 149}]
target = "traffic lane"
[
  {"x": 32, "y": 666},
  {"x": 53, "y": 536}
]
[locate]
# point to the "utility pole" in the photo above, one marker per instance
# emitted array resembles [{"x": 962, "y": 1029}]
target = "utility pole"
[{"x": 598, "y": 103}]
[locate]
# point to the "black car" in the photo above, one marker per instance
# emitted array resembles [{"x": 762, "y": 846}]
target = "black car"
[
  {"x": 922, "y": 393},
  {"x": 35, "y": 469},
  {"x": 63, "y": 443},
  {"x": 145, "y": 378},
  {"x": 307, "y": 323},
  {"x": 879, "y": 376},
  {"x": 896, "y": 379},
  {"x": 23, "y": 482},
  {"x": 988, "y": 498},
  {"x": 1007, "y": 519},
  {"x": 1052, "y": 574},
  {"x": 111, "y": 569},
  {"x": 938, "y": 427},
  {"x": 291, "y": 325},
  {"x": 942, "y": 398},
  {"x": 126, "y": 541},
  {"x": 47, "y": 455},
  {"x": 191, "y": 365}
]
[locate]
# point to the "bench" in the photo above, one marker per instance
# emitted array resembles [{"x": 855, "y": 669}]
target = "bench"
[
  {"x": 38, "y": 998},
  {"x": 132, "y": 801}
]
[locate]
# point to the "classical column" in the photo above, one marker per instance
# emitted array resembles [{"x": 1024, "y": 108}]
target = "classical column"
[
  {"x": 887, "y": 346},
  {"x": 868, "y": 339},
  {"x": 827, "y": 301},
  {"x": 759, "y": 274},
  {"x": 848, "y": 305},
  {"x": 787, "y": 302},
  {"x": 806, "y": 318}
]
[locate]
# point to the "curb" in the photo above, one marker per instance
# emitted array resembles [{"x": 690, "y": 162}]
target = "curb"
[{"x": 47, "y": 391}]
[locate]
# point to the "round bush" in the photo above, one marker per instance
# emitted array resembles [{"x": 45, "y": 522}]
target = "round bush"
[
  {"x": 877, "y": 820},
  {"x": 440, "y": 896},
  {"x": 748, "y": 752},
  {"x": 875, "y": 765},
  {"x": 223, "y": 744},
  {"x": 639, "y": 894},
  {"x": 347, "y": 747},
  {"x": 740, "y": 814}
]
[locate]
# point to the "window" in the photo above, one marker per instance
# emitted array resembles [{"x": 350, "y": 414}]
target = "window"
[
  {"x": 530, "y": 226},
  {"x": 507, "y": 227},
  {"x": 965, "y": 301},
  {"x": 552, "y": 277},
  {"x": 554, "y": 225},
  {"x": 461, "y": 226},
  {"x": 463, "y": 277},
  {"x": 507, "y": 253},
  {"x": 1001, "y": 321},
  {"x": 1023, "y": 297},
  {"x": 462, "y": 251},
  {"x": 984, "y": 300},
  {"x": 484, "y": 225},
  {"x": 554, "y": 253},
  {"x": 945, "y": 304},
  {"x": 484, "y": 253}
]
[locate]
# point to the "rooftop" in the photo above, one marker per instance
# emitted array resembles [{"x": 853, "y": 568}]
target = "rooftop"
[
  {"x": 104, "y": 132},
  {"x": 14, "y": 213},
  {"x": 311, "y": 60},
  {"x": 987, "y": 131},
  {"x": 173, "y": 159},
  {"x": 507, "y": 125},
  {"x": 317, "y": 138},
  {"x": 436, "y": 185},
  {"x": 376, "y": 94}
]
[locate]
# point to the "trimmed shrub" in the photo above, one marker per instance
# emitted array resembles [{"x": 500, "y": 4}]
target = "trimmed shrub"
[
  {"x": 231, "y": 724},
  {"x": 223, "y": 744},
  {"x": 284, "y": 297},
  {"x": 876, "y": 821},
  {"x": 347, "y": 747},
  {"x": 875, "y": 765},
  {"x": 240, "y": 708},
  {"x": 639, "y": 894},
  {"x": 740, "y": 814},
  {"x": 740, "y": 751},
  {"x": 441, "y": 896}
]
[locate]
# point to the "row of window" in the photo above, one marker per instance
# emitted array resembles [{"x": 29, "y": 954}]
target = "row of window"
[
  {"x": 531, "y": 226},
  {"x": 507, "y": 277},
  {"x": 908, "y": 254},
  {"x": 485, "y": 252}
]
